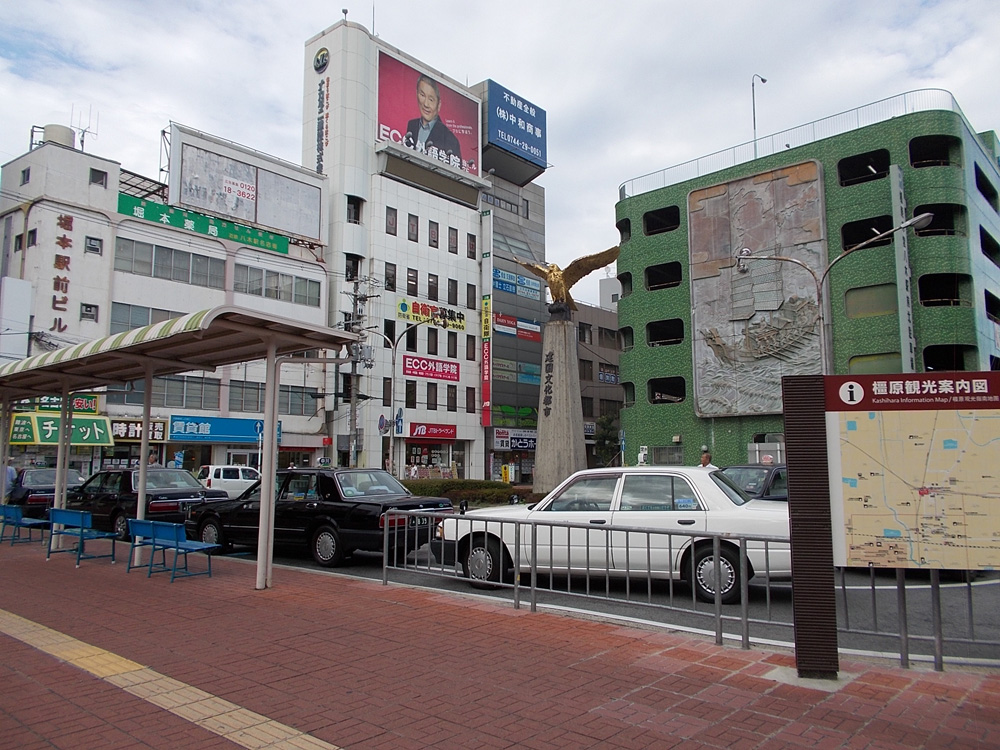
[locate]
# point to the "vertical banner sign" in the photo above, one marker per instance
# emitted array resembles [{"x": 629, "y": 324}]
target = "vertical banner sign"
[{"x": 486, "y": 416}]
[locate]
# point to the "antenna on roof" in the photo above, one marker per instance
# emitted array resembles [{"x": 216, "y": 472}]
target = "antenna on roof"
[{"x": 79, "y": 128}]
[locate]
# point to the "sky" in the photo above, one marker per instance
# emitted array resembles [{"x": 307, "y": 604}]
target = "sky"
[{"x": 628, "y": 88}]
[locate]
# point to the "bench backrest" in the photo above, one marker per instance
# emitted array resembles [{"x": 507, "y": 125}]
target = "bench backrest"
[
  {"x": 140, "y": 528},
  {"x": 80, "y": 519},
  {"x": 12, "y": 513},
  {"x": 168, "y": 532}
]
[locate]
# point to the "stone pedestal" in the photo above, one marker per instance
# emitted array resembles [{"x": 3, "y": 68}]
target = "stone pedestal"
[{"x": 560, "y": 449}]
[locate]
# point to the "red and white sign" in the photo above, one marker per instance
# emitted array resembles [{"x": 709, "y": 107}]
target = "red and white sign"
[
  {"x": 913, "y": 392},
  {"x": 505, "y": 324},
  {"x": 529, "y": 331},
  {"x": 437, "y": 369},
  {"x": 433, "y": 431}
]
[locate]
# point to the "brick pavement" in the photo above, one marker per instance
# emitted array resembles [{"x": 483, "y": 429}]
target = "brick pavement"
[{"x": 99, "y": 658}]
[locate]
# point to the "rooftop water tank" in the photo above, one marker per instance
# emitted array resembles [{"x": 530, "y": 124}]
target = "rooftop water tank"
[{"x": 60, "y": 134}]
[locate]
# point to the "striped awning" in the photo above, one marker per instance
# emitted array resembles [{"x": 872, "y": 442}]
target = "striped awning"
[{"x": 201, "y": 341}]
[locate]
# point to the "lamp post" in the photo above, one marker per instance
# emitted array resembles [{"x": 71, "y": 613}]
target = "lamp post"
[
  {"x": 917, "y": 222},
  {"x": 393, "y": 346},
  {"x": 753, "y": 105}
]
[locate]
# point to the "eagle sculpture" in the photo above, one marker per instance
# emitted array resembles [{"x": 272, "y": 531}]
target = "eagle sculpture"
[{"x": 561, "y": 279}]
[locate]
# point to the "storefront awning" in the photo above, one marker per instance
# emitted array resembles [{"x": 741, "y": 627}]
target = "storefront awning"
[{"x": 43, "y": 429}]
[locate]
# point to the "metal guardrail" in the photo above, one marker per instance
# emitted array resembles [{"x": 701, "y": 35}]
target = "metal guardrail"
[
  {"x": 885, "y": 109},
  {"x": 876, "y": 613},
  {"x": 600, "y": 583}
]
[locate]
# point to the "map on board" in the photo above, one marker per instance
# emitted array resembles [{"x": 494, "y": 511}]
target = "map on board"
[{"x": 919, "y": 485}]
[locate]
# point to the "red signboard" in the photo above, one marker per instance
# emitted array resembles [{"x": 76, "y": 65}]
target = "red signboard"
[
  {"x": 433, "y": 431},
  {"x": 913, "y": 391}
]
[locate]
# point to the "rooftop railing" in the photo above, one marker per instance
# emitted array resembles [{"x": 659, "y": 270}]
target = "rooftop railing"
[{"x": 921, "y": 100}]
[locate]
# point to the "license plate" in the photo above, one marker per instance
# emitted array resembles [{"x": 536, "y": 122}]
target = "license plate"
[{"x": 418, "y": 520}]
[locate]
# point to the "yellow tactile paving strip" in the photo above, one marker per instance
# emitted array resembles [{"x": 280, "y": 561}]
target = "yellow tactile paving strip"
[{"x": 235, "y": 723}]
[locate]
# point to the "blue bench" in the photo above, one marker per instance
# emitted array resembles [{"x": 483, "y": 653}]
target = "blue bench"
[
  {"x": 78, "y": 526},
  {"x": 160, "y": 536},
  {"x": 13, "y": 516}
]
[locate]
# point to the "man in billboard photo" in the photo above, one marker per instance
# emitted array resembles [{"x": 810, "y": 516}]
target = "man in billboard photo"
[{"x": 427, "y": 131}]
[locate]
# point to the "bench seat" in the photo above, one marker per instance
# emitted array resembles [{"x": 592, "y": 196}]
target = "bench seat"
[
  {"x": 163, "y": 537},
  {"x": 13, "y": 516},
  {"x": 78, "y": 526}
]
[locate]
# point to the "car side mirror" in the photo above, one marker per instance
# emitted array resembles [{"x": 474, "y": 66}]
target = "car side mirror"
[{"x": 514, "y": 499}]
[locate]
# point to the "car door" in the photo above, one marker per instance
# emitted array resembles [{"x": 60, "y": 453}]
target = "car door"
[
  {"x": 105, "y": 498},
  {"x": 587, "y": 504},
  {"x": 299, "y": 501},
  {"x": 777, "y": 488},
  {"x": 662, "y": 502},
  {"x": 242, "y": 522}
]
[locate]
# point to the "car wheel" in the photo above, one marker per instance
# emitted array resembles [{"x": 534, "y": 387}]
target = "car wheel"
[
  {"x": 703, "y": 575},
  {"x": 120, "y": 526},
  {"x": 210, "y": 532},
  {"x": 326, "y": 548},
  {"x": 484, "y": 562}
]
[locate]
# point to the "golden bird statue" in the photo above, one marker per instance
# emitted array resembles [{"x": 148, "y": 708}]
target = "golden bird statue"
[{"x": 561, "y": 279}]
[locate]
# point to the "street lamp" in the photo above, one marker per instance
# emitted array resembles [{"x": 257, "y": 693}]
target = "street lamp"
[
  {"x": 917, "y": 222},
  {"x": 393, "y": 345},
  {"x": 753, "y": 104}
]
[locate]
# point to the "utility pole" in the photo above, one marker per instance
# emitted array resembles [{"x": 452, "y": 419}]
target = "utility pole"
[{"x": 360, "y": 354}]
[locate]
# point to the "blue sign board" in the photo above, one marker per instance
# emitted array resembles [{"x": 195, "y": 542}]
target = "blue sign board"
[
  {"x": 516, "y": 125},
  {"x": 504, "y": 286},
  {"x": 189, "y": 429}
]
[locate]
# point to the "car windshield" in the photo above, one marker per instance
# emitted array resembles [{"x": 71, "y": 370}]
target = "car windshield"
[
  {"x": 730, "y": 488},
  {"x": 750, "y": 479},
  {"x": 369, "y": 482},
  {"x": 47, "y": 477},
  {"x": 164, "y": 479}
]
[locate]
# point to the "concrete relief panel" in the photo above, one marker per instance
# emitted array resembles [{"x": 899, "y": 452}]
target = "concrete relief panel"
[{"x": 757, "y": 320}]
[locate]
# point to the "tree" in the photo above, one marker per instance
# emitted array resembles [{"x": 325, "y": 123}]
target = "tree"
[{"x": 606, "y": 443}]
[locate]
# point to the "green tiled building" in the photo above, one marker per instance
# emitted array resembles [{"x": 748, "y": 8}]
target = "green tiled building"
[{"x": 732, "y": 277}]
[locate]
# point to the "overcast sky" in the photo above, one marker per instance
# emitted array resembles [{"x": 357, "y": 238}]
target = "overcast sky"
[{"x": 628, "y": 87}]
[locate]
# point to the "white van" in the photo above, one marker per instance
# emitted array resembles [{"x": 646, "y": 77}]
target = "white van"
[{"x": 233, "y": 479}]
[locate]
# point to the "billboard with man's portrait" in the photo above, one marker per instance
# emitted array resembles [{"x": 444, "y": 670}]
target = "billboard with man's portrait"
[{"x": 418, "y": 111}]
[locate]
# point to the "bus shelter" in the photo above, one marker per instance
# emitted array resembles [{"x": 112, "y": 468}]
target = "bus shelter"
[{"x": 200, "y": 341}]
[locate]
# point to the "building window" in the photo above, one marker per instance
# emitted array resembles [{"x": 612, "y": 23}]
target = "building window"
[
  {"x": 610, "y": 408},
  {"x": 387, "y": 392},
  {"x": 411, "y": 394},
  {"x": 390, "y": 221},
  {"x": 144, "y": 259},
  {"x": 945, "y": 290},
  {"x": 668, "y": 455},
  {"x": 452, "y": 291},
  {"x": 432, "y": 396},
  {"x": 352, "y": 266},
  {"x": 25, "y": 175},
  {"x": 608, "y": 338},
  {"x": 432, "y": 233},
  {"x": 88, "y": 312},
  {"x": 389, "y": 329},
  {"x": 453, "y": 240},
  {"x": 956, "y": 357},
  {"x": 855, "y": 232},
  {"x": 278, "y": 285},
  {"x": 470, "y": 246},
  {"x": 665, "y": 332},
  {"x": 127, "y": 317},
  {"x": 628, "y": 391},
  {"x": 628, "y": 339},
  {"x": 471, "y": 299},
  {"x": 871, "y": 301},
  {"x": 260, "y": 283},
  {"x": 411, "y": 339},
  {"x": 354, "y": 204},
  {"x": 666, "y": 390},
  {"x": 175, "y": 391},
  {"x": 18, "y": 243},
  {"x": 935, "y": 151},
  {"x": 625, "y": 279},
  {"x": 412, "y": 282},
  {"x": 661, "y": 220},
  {"x": 452, "y": 345},
  {"x": 470, "y": 400},
  {"x": 986, "y": 189},
  {"x": 949, "y": 220},
  {"x": 989, "y": 246},
  {"x": 452, "y": 398},
  {"x": 99, "y": 177},
  {"x": 432, "y": 287},
  {"x": 586, "y": 369},
  {"x": 32, "y": 237},
  {"x": 588, "y": 406},
  {"x": 93, "y": 245},
  {"x": 992, "y": 307},
  {"x": 662, "y": 276},
  {"x": 432, "y": 340},
  {"x": 607, "y": 373},
  {"x": 875, "y": 364},
  {"x": 524, "y": 206},
  {"x": 584, "y": 333},
  {"x": 413, "y": 228},
  {"x": 470, "y": 347},
  {"x": 624, "y": 228},
  {"x": 390, "y": 277},
  {"x": 873, "y": 165}
]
